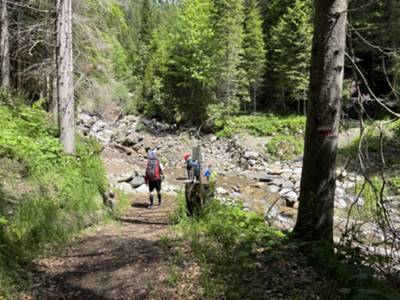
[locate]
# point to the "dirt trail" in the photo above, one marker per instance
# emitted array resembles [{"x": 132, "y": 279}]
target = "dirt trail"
[{"x": 112, "y": 261}]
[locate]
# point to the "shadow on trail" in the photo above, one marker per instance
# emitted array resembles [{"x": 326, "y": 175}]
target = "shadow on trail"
[
  {"x": 138, "y": 221},
  {"x": 127, "y": 270},
  {"x": 140, "y": 205},
  {"x": 126, "y": 261}
]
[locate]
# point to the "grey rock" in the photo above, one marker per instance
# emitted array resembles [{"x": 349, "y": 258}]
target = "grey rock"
[
  {"x": 251, "y": 155},
  {"x": 125, "y": 187},
  {"x": 137, "y": 182},
  {"x": 297, "y": 171},
  {"x": 126, "y": 177},
  {"x": 142, "y": 189},
  {"x": 291, "y": 196},
  {"x": 98, "y": 126},
  {"x": 221, "y": 191},
  {"x": 278, "y": 181},
  {"x": 288, "y": 185},
  {"x": 265, "y": 178},
  {"x": 340, "y": 203},
  {"x": 131, "y": 139},
  {"x": 86, "y": 119},
  {"x": 252, "y": 162},
  {"x": 283, "y": 192},
  {"x": 274, "y": 188},
  {"x": 275, "y": 169}
]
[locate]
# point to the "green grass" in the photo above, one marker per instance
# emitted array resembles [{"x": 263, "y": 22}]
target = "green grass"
[
  {"x": 285, "y": 147},
  {"x": 64, "y": 190},
  {"x": 225, "y": 240},
  {"x": 263, "y": 125}
]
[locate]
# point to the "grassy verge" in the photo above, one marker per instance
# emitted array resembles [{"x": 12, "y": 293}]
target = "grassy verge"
[
  {"x": 45, "y": 196},
  {"x": 226, "y": 241},
  {"x": 286, "y": 132},
  {"x": 239, "y": 257},
  {"x": 263, "y": 125}
]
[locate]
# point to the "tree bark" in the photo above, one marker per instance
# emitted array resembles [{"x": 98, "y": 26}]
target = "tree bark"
[
  {"x": 4, "y": 47},
  {"x": 315, "y": 217},
  {"x": 65, "y": 84}
]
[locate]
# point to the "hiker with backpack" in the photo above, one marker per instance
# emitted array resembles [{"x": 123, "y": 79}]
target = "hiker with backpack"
[
  {"x": 196, "y": 170},
  {"x": 189, "y": 165},
  {"x": 154, "y": 176}
]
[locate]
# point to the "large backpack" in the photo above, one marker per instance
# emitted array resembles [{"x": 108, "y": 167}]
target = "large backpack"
[
  {"x": 189, "y": 163},
  {"x": 153, "y": 170},
  {"x": 196, "y": 168}
]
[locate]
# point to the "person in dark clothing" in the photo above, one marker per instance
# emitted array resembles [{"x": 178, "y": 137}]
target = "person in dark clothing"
[{"x": 154, "y": 176}]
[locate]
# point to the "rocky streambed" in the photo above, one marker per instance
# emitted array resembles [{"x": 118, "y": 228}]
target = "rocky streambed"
[{"x": 244, "y": 173}]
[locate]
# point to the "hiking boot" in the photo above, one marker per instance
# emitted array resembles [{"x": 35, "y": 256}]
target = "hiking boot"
[
  {"x": 159, "y": 203},
  {"x": 150, "y": 206}
]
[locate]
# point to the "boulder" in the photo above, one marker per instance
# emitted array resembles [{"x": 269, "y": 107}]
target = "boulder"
[
  {"x": 251, "y": 155},
  {"x": 142, "y": 189},
  {"x": 288, "y": 185},
  {"x": 291, "y": 198},
  {"x": 297, "y": 170},
  {"x": 275, "y": 169},
  {"x": 126, "y": 177},
  {"x": 278, "y": 181},
  {"x": 340, "y": 203},
  {"x": 131, "y": 139},
  {"x": 86, "y": 120},
  {"x": 137, "y": 181},
  {"x": 221, "y": 191},
  {"x": 125, "y": 187},
  {"x": 98, "y": 126},
  {"x": 273, "y": 188},
  {"x": 252, "y": 162},
  {"x": 265, "y": 178}
]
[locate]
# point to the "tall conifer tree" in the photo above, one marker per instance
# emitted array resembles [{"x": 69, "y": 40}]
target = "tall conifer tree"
[{"x": 254, "y": 48}]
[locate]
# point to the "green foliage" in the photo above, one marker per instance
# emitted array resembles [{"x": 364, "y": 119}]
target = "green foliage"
[
  {"x": 347, "y": 267},
  {"x": 285, "y": 147},
  {"x": 225, "y": 240},
  {"x": 372, "y": 142},
  {"x": 263, "y": 125},
  {"x": 254, "y": 50},
  {"x": 229, "y": 18},
  {"x": 370, "y": 191},
  {"x": 66, "y": 189},
  {"x": 290, "y": 53},
  {"x": 192, "y": 66}
]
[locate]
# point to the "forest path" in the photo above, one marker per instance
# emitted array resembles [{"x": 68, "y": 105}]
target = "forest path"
[{"x": 113, "y": 261}]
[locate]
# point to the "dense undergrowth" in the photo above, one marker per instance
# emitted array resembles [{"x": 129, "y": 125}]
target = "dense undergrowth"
[
  {"x": 45, "y": 195},
  {"x": 379, "y": 150},
  {"x": 240, "y": 258},
  {"x": 286, "y": 132},
  {"x": 225, "y": 240}
]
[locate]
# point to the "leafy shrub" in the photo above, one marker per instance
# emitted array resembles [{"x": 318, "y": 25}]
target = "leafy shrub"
[
  {"x": 67, "y": 189},
  {"x": 285, "y": 147},
  {"x": 370, "y": 193},
  {"x": 224, "y": 240}
]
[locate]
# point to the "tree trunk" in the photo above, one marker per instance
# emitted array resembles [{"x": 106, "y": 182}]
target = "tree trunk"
[
  {"x": 315, "y": 217},
  {"x": 255, "y": 97},
  {"x": 65, "y": 84},
  {"x": 4, "y": 47},
  {"x": 53, "y": 109}
]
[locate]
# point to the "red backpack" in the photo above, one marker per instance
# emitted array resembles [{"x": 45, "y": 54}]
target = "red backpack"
[{"x": 153, "y": 170}]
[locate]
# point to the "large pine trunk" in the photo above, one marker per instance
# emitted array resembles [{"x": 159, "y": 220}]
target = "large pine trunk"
[
  {"x": 65, "y": 75},
  {"x": 4, "y": 47},
  {"x": 315, "y": 217}
]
